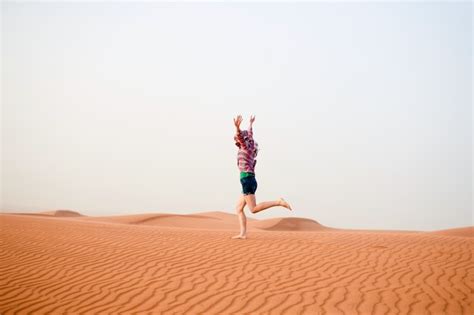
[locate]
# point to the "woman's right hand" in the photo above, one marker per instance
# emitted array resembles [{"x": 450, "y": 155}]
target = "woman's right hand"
[{"x": 237, "y": 121}]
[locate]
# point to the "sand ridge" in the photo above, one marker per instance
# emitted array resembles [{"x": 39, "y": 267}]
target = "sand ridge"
[{"x": 77, "y": 266}]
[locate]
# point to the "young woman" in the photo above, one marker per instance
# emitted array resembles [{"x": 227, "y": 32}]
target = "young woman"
[{"x": 246, "y": 162}]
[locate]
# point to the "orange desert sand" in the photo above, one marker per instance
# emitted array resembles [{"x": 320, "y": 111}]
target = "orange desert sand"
[{"x": 61, "y": 262}]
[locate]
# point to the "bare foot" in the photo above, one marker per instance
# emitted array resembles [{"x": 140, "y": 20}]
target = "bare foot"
[
  {"x": 240, "y": 236},
  {"x": 285, "y": 204}
]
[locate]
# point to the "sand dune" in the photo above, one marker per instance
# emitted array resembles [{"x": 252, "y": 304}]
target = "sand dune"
[
  {"x": 172, "y": 220},
  {"x": 216, "y": 220},
  {"x": 288, "y": 224},
  {"x": 73, "y": 265},
  {"x": 52, "y": 213},
  {"x": 467, "y": 231},
  {"x": 62, "y": 213},
  {"x": 204, "y": 220}
]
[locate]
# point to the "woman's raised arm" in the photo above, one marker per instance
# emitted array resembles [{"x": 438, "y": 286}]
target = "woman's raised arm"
[{"x": 252, "y": 119}]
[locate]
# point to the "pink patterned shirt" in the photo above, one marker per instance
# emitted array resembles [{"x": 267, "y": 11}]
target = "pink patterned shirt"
[{"x": 248, "y": 150}]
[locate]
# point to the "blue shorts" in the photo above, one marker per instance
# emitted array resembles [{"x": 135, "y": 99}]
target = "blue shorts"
[{"x": 249, "y": 185}]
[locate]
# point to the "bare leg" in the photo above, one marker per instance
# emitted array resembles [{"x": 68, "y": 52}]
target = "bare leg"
[
  {"x": 254, "y": 208},
  {"x": 242, "y": 218}
]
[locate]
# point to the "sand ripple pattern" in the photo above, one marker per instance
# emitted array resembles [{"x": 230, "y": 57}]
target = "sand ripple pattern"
[{"x": 68, "y": 266}]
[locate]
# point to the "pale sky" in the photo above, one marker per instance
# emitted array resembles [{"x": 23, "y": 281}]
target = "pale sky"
[{"x": 363, "y": 110}]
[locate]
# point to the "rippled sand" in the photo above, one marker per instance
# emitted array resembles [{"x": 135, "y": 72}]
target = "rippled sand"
[{"x": 61, "y": 262}]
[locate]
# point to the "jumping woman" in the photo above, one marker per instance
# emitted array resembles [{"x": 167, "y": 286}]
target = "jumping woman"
[{"x": 246, "y": 162}]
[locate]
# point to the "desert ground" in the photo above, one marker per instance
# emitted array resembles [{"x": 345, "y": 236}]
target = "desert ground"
[{"x": 61, "y": 262}]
